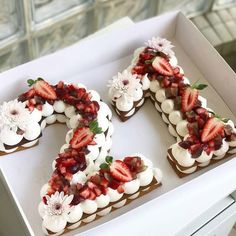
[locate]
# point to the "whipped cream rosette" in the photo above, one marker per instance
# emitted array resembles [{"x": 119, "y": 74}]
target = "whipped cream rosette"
[{"x": 203, "y": 138}]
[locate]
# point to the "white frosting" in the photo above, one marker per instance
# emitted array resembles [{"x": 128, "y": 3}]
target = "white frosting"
[
  {"x": 132, "y": 186},
  {"x": 99, "y": 139},
  {"x": 204, "y": 157},
  {"x": 119, "y": 204},
  {"x": 154, "y": 86},
  {"x": 145, "y": 82},
  {"x": 114, "y": 194},
  {"x": 89, "y": 206},
  {"x": 94, "y": 95},
  {"x": 186, "y": 80},
  {"x": 136, "y": 56},
  {"x": 134, "y": 196},
  {"x": 94, "y": 152},
  {"x": 30, "y": 144},
  {"x": 145, "y": 177},
  {"x": 44, "y": 190},
  {"x": 9, "y": 137},
  {"x": 105, "y": 211},
  {"x": 64, "y": 147},
  {"x": 110, "y": 129},
  {"x": 47, "y": 109},
  {"x": 165, "y": 119},
  {"x": 68, "y": 124},
  {"x": 222, "y": 151},
  {"x": 175, "y": 117},
  {"x": 140, "y": 103},
  {"x": 182, "y": 156},
  {"x": 130, "y": 113},
  {"x": 79, "y": 177},
  {"x": 182, "y": 128},
  {"x": 43, "y": 124},
  {"x": 59, "y": 106},
  {"x": 104, "y": 110},
  {"x": 203, "y": 101},
  {"x": 173, "y": 61},
  {"x": 124, "y": 103},
  {"x": 89, "y": 218},
  {"x": 69, "y": 136},
  {"x": 172, "y": 131},
  {"x": 70, "y": 111},
  {"x": 61, "y": 118},
  {"x": 51, "y": 119},
  {"x": 54, "y": 223},
  {"x": 157, "y": 174},
  {"x": 74, "y": 226},
  {"x": 41, "y": 209},
  {"x": 167, "y": 106},
  {"x": 74, "y": 121},
  {"x": 75, "y": 214},
  {"x": 138, "y": 93},
  {"x": 160, "y": 95},
  {"x": 203, "y": 164},
  {"x": 36, "y": 115},
  {"x": 102, "y": 200},
  {"x": 103, "y": 123},
  {"x": 33, "y": 131},
  {"x": 188, "y": 171},
  {"x": 157, "y": 107}
]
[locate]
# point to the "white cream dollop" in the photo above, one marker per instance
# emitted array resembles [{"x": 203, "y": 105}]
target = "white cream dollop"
[
  {"x": 89, "y": 206},
  {"x": 223, "y": 149},
  {"x": 9, "y": 137},
  {"x": 204, "y": 157},
  {"x": 124, "y": 103},
  {"x": 47, "y": 109},
  {"x": 114, "y": 194},
  {"x": 145, "y": 82},
  {"x": 131, "y": 186},
  {"x": 54, "y": 223},
  {"x": 182, "y": 156},
  {"x": 154, "y": 86},
  {"x": 182, "y": 128},
  {"x": 145, "y": 177},
  {"x": 33, "y": 131},
  {"x": 167, "y": 106},
  {"x": 175, "y": 117},
  {"x": 75, "y": 214},
  {"x": 160, "y": 95},
  {"x": 36, "y": 115},
  {"x": 102, "y": 200},
  {"x": 70, "y": 111}
]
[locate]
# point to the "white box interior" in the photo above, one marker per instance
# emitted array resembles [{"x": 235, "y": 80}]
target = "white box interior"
[{"x": 146, "y": 133}]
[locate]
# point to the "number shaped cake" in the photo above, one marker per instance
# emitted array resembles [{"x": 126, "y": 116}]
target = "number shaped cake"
[
  {"x": 86, "y": 183},
  {"x": 202, "y": 137}
]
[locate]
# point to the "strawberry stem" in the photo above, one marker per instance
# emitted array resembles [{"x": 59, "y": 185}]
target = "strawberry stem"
[
  {"x": 224, "y": 120},
  {"x": 31, "y": 82},
  {"x": 198, "y": 86}
]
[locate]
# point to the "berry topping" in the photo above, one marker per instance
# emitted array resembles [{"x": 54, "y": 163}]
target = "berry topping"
[
  {"x": 120, "y": 171},
  {"x": 212, "y": 128},
  {"x": 43, "y": 89},
  {"x": 135, "y": 164},
  {"x": 162, "y": 66}
]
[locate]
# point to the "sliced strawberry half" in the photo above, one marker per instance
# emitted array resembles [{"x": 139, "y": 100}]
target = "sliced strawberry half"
[
  {"x": 81, "y": 138},
  {"x": 45, "y": 90},
  {"x": 162, "y": 66},
  {"x": 189, "y": 99},
  {"x": 120, "y": 171},
  {"x": 212, "y": 128}
]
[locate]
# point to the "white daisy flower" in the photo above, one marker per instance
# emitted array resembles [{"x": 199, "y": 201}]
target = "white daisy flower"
[
  {"x": 58, "y": 204},
  {"x": 125, "y": 83},
  {"x": 14, "y": 115},
  {"x": 161, "y": 45}
]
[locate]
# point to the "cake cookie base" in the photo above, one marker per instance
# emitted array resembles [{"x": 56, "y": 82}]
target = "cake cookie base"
[{"x": 126, "y": 198}]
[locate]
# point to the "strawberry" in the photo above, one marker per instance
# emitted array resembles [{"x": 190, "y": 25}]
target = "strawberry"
[
  {"x": 189, "y": 99},
  {"x": 81, "y": 138},
  {"x": 211, "y": 129},
  {"x": 120, "y": 171},
  {"x": 92, "y": 195},
  {"x": 43, "y": 89},
  {"x": 85, "y": 192},
  {"x": 138, "y": 69},
  {"x": 162, "y": 66}
]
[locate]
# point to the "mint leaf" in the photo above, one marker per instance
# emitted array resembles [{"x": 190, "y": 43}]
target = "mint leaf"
[
  {"x": 199, "y": 86},
  {"x": 109, "y": 159},
  {"x": 149, "y": 61},
  {"x": 30, "y": 82},
  {"x": 225, "y": 120},
  {"x": 104, "y": 166},
  {"x": 40, "y": 79},
  {"x": 93, "y": 126}
]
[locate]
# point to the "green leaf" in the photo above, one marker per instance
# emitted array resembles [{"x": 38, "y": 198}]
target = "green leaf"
[
  {"x": 30, "y": 82},
  {"x": 104, "y": 166},
  {"x": 39, "y": 79},
  {"x": 109, "y": 159},
  {"x": 93, "y": 126},
  {"x": 199, "y": 86},
  {"x": 225, "y": 120}
]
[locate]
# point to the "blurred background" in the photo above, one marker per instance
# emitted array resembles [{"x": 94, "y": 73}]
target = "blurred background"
[{"x": 33, "y": 28}]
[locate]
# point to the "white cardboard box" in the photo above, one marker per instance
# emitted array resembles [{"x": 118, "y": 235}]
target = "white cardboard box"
[{"x": 178, "y": 202}]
